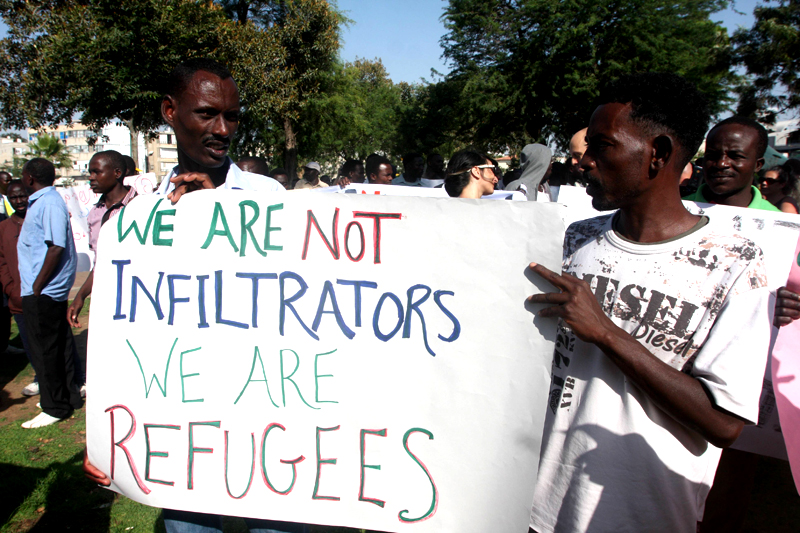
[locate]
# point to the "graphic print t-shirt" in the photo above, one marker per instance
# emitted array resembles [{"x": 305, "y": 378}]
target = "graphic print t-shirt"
[{"x": 611, "y": 459}]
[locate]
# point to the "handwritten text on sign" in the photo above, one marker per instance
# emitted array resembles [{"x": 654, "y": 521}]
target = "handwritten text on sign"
[{"x": 365, "y": 362}]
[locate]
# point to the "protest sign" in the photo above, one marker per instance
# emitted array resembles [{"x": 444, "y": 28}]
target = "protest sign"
[
  {"x": 80, "y": 199},
  {"x": 142, "y": 183},
  {"x": 353, "y": 360}
]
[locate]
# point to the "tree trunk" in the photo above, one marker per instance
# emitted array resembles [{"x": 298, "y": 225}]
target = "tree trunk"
[
  {"x": 134, "y": 142},
  {"x": 290, "y": 152}
]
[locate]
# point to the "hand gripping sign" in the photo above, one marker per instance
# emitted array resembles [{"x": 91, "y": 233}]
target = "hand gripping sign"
[{"x": 343, "y": 359}]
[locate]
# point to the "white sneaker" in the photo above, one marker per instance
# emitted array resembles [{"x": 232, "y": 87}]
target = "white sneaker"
[
  {"x": 83, "y": 390},
  {"x": 31, "y": 389},
  {"x": 41, "y": 420}
]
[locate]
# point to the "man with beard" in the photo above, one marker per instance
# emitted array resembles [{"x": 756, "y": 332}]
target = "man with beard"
[
  {"x": 659, "y": 357},
  {"x": 734, "y": 154},
  {"x": 202, "y": 107}
]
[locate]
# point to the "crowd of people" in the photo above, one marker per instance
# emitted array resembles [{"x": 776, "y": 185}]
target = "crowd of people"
[{"x": 664, "y": 320}]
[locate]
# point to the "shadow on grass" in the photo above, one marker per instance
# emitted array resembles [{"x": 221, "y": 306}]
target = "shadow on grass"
[
  {"x": 10, "y": 367},
  {"x": 68, "y": 505}
]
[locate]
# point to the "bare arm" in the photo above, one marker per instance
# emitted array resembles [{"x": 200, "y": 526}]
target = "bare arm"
[
  {"x": 75, "y": 307},
  {"x": 680, "y": 395},
  {"x": 51, "y": 259}
]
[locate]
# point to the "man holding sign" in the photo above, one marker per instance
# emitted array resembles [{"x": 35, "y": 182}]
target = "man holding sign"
[
  {"x": 663, "y": 332},
  {"x": 202, "y": 107}
]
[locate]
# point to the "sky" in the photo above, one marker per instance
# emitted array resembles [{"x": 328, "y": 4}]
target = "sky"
[{"x": 405, "y": 34}]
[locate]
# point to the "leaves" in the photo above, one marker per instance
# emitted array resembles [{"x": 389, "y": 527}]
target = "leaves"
[
  {"x": 770, "y": 51},
  {"x": 529, "y": 70}
]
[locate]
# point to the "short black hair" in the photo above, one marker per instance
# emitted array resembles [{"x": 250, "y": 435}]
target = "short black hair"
[
  {"x": 130, "y": 166},
  {"x": 761, "y": 131},
  {"x": 17, "y": 183},
  {"x": 411, "y": 156},
  {"x": 41, "y": 170},
  {"x": 374, "y": 163},
  {"x": 179, "y": 78},
  {"x": 349, "y": 166},
  {"x": 115, "y": 159},
  {"x": 276, "y": 171},
  {"x": 259, "y": 164},
  {"x": 663, "y": 103}
]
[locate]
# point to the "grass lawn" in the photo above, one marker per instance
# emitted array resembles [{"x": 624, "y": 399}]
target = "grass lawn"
[{"x": 43, "y": 488}]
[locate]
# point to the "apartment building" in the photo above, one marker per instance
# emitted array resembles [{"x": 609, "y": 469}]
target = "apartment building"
[
  {"x": 9, "y": 149},
  {"x": 162, "y": 153},
  {"x": 76, "y": 137}
]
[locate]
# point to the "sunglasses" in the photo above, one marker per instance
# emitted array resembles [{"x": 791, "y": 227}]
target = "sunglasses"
[{"x": 770, "y": 181}]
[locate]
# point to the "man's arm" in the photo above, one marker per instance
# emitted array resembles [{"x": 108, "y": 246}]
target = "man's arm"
[
  {"x": 680, "y": 395},
  {"x": 75, "y": 307},
  {"x": 51, "y": 259}
]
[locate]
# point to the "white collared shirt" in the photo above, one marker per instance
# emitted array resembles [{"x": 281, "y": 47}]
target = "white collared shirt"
[{"x": 236, "y": 179}]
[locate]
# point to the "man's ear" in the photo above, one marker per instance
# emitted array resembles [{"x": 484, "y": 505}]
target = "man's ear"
[
  {"x": 663, "y": 148},
  {"x": 168, "y": 108},
  {"x": 759, "y": 164}
]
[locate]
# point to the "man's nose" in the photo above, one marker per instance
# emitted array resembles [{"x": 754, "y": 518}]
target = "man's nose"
[{"x": 221, "y": 127}]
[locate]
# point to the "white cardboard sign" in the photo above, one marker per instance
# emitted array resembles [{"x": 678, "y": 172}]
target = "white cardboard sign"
[{"x": 353, "y": 360}]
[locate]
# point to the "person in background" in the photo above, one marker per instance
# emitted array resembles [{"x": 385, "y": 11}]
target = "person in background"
[
  {"x": 9, "y": 268},
  {"x": 130, "y": 166},
  {"x": 47, "y": 265},
  {"x": 253, "y": 164},
  {"x": 281, "y": 176},
  {"x": 776, "y": 186},
  {"x": 734, "y": 154},
  {"x": 534, "y": 163},
  {"x": 351, "y": 172},
  {"x": 469, "y": 174},
  {"x": 413, "y": 167},
  {"x": 310, "y": 178},
  {"x": 379, "y": 170},
  {"x": 577, "y": 147},
  {"x": 106, "y": 174},
  {"x": 434, "y": 171}
]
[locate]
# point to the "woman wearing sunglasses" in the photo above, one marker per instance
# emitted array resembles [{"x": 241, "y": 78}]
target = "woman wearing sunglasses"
[
  {"x": 469, "y": 174},
  {"x": 776, "y": 185}
]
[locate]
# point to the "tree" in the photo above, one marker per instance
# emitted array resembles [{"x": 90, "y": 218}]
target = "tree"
[
  {"x": 105, "y": 60},
  {"x": 770, "y": 51},
  {"x": 354, "y": 115},
  {"x": 50, "y": 148},
  {"x": 529, "y": 70},
  {"x": 280, "y": 68}
]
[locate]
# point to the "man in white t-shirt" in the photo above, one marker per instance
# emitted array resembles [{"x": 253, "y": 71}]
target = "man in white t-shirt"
[
  {"x": 664, "y": 326},
  {"x": 202, "y": 107}
]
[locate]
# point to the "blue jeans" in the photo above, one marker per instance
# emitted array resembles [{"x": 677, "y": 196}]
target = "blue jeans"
[{"x": 189, "y": 522}]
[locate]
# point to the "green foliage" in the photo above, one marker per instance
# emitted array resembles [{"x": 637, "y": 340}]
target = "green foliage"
[
  {"x": 104, "y": 59},
  {"x": 279, "y": 69},
  {"x": 354, "y": 116},
  {"x": 770, "y": 51},
  {"x": 528, "y": 70},
  {"x": 50, "y": 148}
]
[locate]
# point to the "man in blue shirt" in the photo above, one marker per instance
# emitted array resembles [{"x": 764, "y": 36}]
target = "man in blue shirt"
[{"x": 47, "y": 264}]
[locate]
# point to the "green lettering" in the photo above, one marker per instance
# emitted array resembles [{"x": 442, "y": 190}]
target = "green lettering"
[
  {"x": 219, "y": 214},
  {"x": 270, "y": 228},
  {"x": 160, "y": 228}
]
